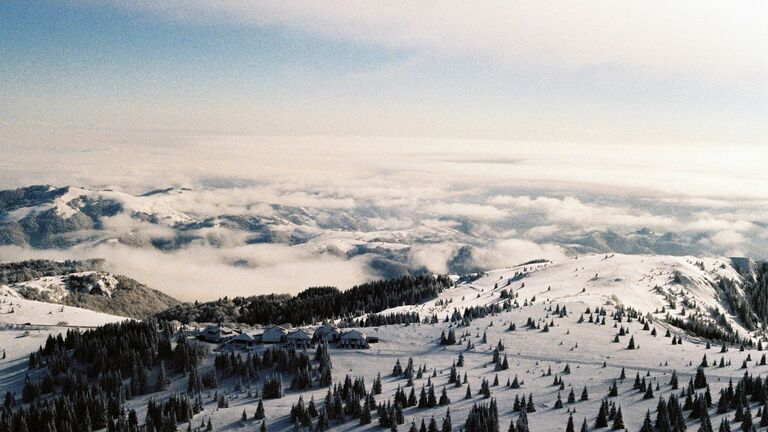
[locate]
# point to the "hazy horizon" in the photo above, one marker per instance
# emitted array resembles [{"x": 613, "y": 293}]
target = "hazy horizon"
[{"x": 511, "y": 201}]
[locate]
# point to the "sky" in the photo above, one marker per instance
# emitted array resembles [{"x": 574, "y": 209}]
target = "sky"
[{"x": 592, "y": 71}]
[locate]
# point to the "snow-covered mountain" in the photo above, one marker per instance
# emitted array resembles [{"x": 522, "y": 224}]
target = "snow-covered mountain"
[{"x": 390, "y": 243}]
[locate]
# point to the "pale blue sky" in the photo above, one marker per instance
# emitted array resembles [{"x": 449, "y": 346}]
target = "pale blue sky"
[{"x": 693, "y": 71}]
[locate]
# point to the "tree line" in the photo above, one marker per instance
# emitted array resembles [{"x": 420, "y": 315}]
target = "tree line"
[{"x": 313, "y": 304}]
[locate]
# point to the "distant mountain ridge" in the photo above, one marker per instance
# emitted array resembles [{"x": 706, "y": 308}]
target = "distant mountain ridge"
[{"x": 49, "y": 217}]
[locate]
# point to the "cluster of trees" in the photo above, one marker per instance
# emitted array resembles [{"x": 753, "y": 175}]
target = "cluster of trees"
[
  {"x": 375, "y": 320},
  {"x": 483, "y": 417},
  {"x": 92, "y": 373},
  {"x": 757, "y": 293},
  {"x": 521, "y": 404},
  {"x": 447, "y": 424},
  {"x": 12, "y": 199},
  {"x": 349, "y": 400},
  {"x": 313, "y": 304},
  {"x": 748, "y": 389},
  {"x": 273, "y": 387},
  {"x": 164, "y": 416},
  {"x": 15, "y": 272},
  {"x": 305, "y": 371},
  {"x": 750, "y": 306},
  {"x": 707, "y": 329},
  {"x": 609, "y": 412},
  {"x": 83, "y": 409},
  {"x": 474, "y": 312},
  {"x": 448, "y": 340},
  {"x": 427, "y": 397},
  {"x": 114, "y": 352}
]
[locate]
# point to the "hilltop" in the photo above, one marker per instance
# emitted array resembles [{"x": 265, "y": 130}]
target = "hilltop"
[{"x": 81, "y": 284}]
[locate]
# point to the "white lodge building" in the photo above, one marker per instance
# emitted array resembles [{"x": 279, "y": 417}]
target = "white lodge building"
[
  {"x": 353, "y": 339},
  {"x": 299, "y": 339},
  {"x": 274, "y": 334}
]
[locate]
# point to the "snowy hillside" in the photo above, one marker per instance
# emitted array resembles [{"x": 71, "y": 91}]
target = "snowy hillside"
[
  {"x": 643, "y": 282},
  {"x": 539, "y": 331},
  {"x": 54, "y": 289},
  {"x": 537, "y": 357},
  {"x": 15, "y": 310},
  {"x": 25, "y": 325},
  {"x": 81, "y": 284}
]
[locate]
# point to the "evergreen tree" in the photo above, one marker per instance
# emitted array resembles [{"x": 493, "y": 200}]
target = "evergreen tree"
[
  {"x": 447, "y": 424},
  {"x": 706, "y": 423},
  {"x": 618, "y": 420},
  {"x": 647, "y": 426},
  {"x": 259, "y": 415},
  {"x": 602, "y": 416},
  {"x": 725, "y": 426},
  {"x": 700, "y": 381},
  {"x": 746, "y": 421},
  {"x": 663, "y": 423},
  {"x": 631, "y": 343}
]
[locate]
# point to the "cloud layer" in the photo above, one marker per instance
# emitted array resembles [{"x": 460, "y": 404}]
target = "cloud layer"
[{"x": 330, "y": 209}]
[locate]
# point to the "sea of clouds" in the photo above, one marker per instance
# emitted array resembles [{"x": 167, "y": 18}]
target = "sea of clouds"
[{"x": 513, "y": 201}]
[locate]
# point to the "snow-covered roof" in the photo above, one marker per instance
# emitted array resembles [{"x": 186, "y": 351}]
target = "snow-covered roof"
[
  {"x": 299, "y": 334},
  {"x": 274, "y": 327},
  {"x": 242, "y": 337},
  {"x": 354, "y": 334},
  {"x": 326, "y": 328},
  {"x": 213, "y": 328}
]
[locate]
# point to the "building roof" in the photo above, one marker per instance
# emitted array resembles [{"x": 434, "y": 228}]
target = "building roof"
[
  {"x": 299, "y": 334},
  {"x": 213, "y": 328},
  {"x": 326, "y": 328},
  {"x": 354, "y": 334},
  {"x": 242, "y": 337},
  {"x": 275, "y": 328}
]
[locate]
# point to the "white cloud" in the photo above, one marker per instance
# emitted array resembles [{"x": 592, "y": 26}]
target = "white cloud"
[
  {"x": 717, "y": 40},
  {"x": 434, "y": 257},
  {"x": 205, "y": 273},
  {"x": 573, "y": 211},
  {"x": 708, "y": 223},
  {"x": 528, "y": 192},
  {"x": 477, "y": 211},
  {"x": 509, "y": 252},
  {"x": 538, "y": 232},
  {"x": 728, "y": 238}
]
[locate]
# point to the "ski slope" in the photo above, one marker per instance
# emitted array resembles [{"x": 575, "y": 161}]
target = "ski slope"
[{"x": 595, "y": 361}]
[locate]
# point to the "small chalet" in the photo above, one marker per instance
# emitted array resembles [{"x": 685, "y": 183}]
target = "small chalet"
[
  {"x": 327, "y": 332},
  {"x": 299, "y": 339},
  {"x": 215, "y": 334},
  {"x": 274, "y": 334},
  {"x": 243, "y": 341},
  {"x": 353, "y": 339}
]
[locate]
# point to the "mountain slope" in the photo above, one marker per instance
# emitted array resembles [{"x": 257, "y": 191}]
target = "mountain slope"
[
  {"x": 81, "y": 284},
  {"x": 578, "y": 326},
  {"x": 673, "y": 286}
]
